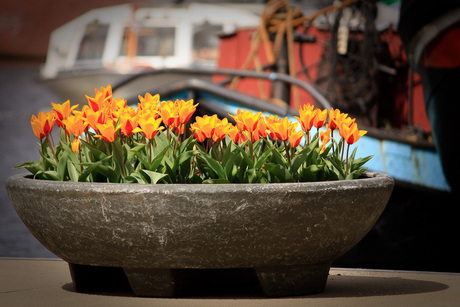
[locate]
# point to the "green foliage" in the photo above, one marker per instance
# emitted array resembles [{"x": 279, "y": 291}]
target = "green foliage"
[{"x": 168, "y": 159}]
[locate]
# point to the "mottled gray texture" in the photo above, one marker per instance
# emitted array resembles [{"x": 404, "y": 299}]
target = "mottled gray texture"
[{"x": 159, "y": 227}]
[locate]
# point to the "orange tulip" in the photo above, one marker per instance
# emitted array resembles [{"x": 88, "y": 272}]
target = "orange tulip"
[
  {"x": 351, "y": 134},
  {"x": 319, "y": 118},
  {"x": 76, "y": 145},
  {"x": 270, "y": 120},
  {"x": 295, "y": 137},
  {"x": 92, "y": 118},
  {"x": 186, "y": 110},
  {"x": 148, "y": 101},
  {"x": 306, "y": 117},
  {"x": 107, "y": 131},
  {"x": 169, "y": 114},
  {"x": 236, "y": 135},
  {"x": 261, "y": 131},
  {"x": 221, "y": 129},
  {"x": 335, "y": 117},
  {"x": 246, "y": 120},
  {"x": 43, "y": 124},
  {"x": 204, "y": 127},
  {"x": 75, "y": 124},
  {"x": 101, "y": 99},
  {"x": 325, "y": 137},
  {"x": 149, "y": 126},
  {"x": 62, "y": 111},
  {"x": 283, "y": 129}
]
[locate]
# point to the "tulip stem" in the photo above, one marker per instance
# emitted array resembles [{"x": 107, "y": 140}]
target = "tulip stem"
[
  {"x": 346, "y": 164},
  {"x": 288, "y": 156},
  {"x": 51, "y": 147},
  {"x": 121, "y": 160}
]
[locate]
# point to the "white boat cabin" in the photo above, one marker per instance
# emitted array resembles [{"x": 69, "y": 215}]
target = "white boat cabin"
[{"x": 124, "y": 39}]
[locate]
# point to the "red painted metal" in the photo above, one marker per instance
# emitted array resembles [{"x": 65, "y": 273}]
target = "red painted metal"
[{"x": 234, "y": 50}]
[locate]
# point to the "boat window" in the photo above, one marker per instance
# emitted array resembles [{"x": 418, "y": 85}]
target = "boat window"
[
  {"x": 150, "y": 42},
  {"x": 206, "y": 42},
  {"x": 92, "y": 44}
]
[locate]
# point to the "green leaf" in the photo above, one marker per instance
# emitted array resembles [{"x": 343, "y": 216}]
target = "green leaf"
[
  {"x": 71, "y": 155},
  {"x": 98, "y": 154},
  {"x": 245, "y": 156},
  {"x": 213, "y": 165},
  {"x": 157, "y": 160},
  {"x": 281, "y": 173},
  {"x": 184, "y": 157},
  {"x": 356, "y": 174},
  {"x": 230, "y": 162},
  {"x": 263, "y": 158},
  {"x": 299, "y": 159},
  {"x": 153, "y": 176},
  {"x": 33, "y": 166},
  {"x": 88, "y": 170},
  {"x": 107, "y": 172},
  {"x": 62, "y": 165},
  {"x": 309, "y": 173},
  {"x": 252, "y": 175},
  {"x": 337, "y": 163},
  {"x": 135, "y": 178},
  {"x": 357, "y": 163},
  {"x": 51, "y": 175},
  {"x": 72, "y": 170}
]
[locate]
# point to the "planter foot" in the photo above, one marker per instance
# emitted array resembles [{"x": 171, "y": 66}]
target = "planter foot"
[
  {"x": 293, "y": 280},
  {"x": 153, "y": 282},
  {"x": 88, "y": 278}
]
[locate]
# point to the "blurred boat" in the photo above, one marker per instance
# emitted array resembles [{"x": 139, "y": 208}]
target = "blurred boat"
[{"x": 271, "y": 58}]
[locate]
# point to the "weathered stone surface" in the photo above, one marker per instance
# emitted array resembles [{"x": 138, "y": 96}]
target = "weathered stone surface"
[{"x": 161, "y": 227}]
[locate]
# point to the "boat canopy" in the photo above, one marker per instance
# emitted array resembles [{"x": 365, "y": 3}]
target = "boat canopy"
[{"x": 125, "y": 38}]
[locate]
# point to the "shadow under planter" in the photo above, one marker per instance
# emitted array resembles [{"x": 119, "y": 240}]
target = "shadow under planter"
[{"x": 151, "y": 236}]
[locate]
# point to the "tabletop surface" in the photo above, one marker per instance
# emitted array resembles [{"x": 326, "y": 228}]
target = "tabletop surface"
[{"x": 47, "y": 282}]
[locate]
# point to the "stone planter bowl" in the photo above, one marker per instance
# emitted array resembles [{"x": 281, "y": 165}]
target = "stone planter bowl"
[{"x": 288, "y": 233}]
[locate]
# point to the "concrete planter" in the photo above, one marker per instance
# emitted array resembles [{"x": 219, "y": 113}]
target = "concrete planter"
[{"x": 287, "y": 233}]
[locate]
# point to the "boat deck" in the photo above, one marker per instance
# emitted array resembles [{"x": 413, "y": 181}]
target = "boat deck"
[{"x": 47, "y": 282}]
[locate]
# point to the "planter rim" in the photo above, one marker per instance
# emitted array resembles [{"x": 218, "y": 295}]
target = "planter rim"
[{"x": 25, "y": 180}]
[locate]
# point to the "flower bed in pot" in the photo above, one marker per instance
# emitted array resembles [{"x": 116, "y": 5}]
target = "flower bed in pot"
[{"x": 125, "y": 190}]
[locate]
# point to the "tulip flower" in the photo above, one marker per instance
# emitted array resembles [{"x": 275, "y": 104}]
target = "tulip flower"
[
  {"x": 320, "y": 118},
  {"x": 42, "y": 127},
  {"x": 62, "y": 111},
  {"x": 169, "y": 114},
  {"x": 149, "y": 126},
  {"x": 306, "y": 118},
  {"x": 101, "y": 99},
  {"x": 43, "y": 124},
  {"x": 222, "y": 128},
  {"x": 295, "y": 137},
  {"x": 325, "y": 137},
  {"x": 75, "y": 124},
  {"x": 270, "y": 120},
  {"x": 351, "y": 134},
  {"x": 204, "y": 127},
  {"x": 334, "y": 118},
  {"x": 281, "y": 129},
  {"x": 186, "y": 110},
  {"x": 246, "y": 120},
  {"x": 236, "y": 135},
  {"x": 148, "y": 101},
  {"x": 107, "y": 131}
]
